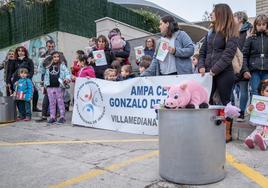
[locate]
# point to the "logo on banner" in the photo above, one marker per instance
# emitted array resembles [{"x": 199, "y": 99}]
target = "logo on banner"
[{"x": 90, "y": 106}]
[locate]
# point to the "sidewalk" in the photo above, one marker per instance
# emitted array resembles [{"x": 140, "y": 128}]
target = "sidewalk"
[{"x": 241, "y": 129}]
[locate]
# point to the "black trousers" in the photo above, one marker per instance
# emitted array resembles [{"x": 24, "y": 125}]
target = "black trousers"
[
  {"x": 35, "y": 98},
  {"x": 45, "y": 106},
  {"x": 223, "y": 83}
]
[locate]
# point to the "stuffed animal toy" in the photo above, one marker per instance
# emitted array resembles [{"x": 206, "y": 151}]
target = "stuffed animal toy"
[
  {"x": 231, "y": 111},
  {"x": 189, "y": 94}
]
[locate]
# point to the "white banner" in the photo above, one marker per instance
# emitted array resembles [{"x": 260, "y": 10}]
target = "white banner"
[{"x": 125, "y": 106}]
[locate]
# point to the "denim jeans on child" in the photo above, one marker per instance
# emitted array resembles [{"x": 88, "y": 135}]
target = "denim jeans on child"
[
  {"x": 256, "y": 78},
  {"x": 24, "y": 108}
]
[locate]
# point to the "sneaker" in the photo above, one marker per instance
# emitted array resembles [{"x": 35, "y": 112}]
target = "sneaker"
[
  {"x": 42, "y": 119},
  {"x": 51, "y": 121},
  {"x": 241, "y": 118},
  {"x": 19, "y": 119},
  {"x": 27, "y": 119},
  {"x": 61, "y": 121},
  {"x": 260, "y": 142},
  {"x": 249, "y": 142}
]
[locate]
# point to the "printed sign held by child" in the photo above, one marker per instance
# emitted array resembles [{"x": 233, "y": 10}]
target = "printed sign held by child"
[{"x": 139, "y": 52}]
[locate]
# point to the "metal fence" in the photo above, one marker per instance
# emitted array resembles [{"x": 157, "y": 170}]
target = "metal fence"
[{"x": 72, "y": 16}]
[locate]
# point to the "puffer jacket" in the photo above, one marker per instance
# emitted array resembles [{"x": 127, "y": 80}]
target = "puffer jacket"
[
  {"x": 216, "y": 54},
  {"x": 255, "y": 53}
]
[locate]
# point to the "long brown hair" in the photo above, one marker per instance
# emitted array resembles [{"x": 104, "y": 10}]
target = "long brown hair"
[
  {"x": 104, "y": 39},
  {"x": 262, "y": 18},
  {"x": 224, "y": 22}
]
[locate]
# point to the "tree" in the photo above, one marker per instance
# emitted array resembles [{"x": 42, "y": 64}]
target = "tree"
[
  {"x": 11, "y": 4},
  {"x": 151, "y": 20}
]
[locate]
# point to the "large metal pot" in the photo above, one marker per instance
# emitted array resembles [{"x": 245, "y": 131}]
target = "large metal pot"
[
  {"x": 8, "y": 111},
  {"x": 192, "y": 146}
]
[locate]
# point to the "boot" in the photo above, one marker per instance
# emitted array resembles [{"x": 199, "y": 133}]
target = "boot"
[{"x": 229, "y": 126}]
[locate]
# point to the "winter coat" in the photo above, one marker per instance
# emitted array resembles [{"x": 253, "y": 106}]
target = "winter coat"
[
  {"x": 255, "y": 53},
  {"x": 216, "y": 54},
  {"x": 99, "y": 70},
  {"x": 86, "y": 72},
  {"x": 64, "y": 74},
  {"x": 242, "y": 38},
  {"x": 75, "y": 68},
  {"x": 25, "y": 85},
  {"x": 149, "y": 52},
  {"x": 184, "y": 50},
  {"x": 16, "y": 65}
]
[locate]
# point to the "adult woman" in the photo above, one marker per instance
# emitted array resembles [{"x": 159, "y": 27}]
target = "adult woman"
[
  {"x": 6, "y": 66},
  {"x": 217, "y": 53},
  {"x": 149, "y": 47},
  {"x": 102, "y": 44},
  {"x": 23, "y": 61},
  {"x": 180, "y": 50},
  {"x": 241, "y": 19}
]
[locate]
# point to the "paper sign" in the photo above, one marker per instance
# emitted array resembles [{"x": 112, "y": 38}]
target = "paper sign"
[
  {"x": 162, "y": 50},
  {"x": 139, "y": 52},
  {"x": 259, "y": 114},
  {"x": 100, "y": 57}
]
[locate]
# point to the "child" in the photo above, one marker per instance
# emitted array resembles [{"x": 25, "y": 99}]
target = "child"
[
  {"x": 195, "y": 59},
  {"x": 86, "y": 70},
  {"x": 255, "y": 50},
  {"x": 23, "y": 93},
  {"x": 260, "y": 134},
  {"x": 55, "y": 72},
  {"x": 126, "y": 73},
  {"x": 145, "y": 63},
  {"x": 75, "y": 68},
  {"x": 110, "y": 74}
]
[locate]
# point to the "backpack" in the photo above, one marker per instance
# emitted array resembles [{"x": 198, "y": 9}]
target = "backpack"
[
  {"x": 237, "y": 61},
  {"x": 117, "y": 42}
]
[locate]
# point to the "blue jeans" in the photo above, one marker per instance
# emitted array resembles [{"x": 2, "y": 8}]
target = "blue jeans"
[
  {"x": 256, "y": 78},
  {"x": 24, "y": 108},
  {"x": 243, "y": 95}
]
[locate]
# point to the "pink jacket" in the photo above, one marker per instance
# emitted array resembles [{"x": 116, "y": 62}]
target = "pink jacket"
[{"x": 86, "y": 72}]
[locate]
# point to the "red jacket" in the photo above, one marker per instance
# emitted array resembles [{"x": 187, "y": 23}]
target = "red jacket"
[{"x": 75, "y": 68}]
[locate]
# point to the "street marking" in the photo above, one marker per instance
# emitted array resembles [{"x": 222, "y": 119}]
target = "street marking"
[
  {"x": 6, "y": 144},
  {"x": 97, "y": 172},
  {"x": 247, "y": 171}
]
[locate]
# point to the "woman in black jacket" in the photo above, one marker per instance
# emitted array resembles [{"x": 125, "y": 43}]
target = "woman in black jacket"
[
  {"x": 23, "y": 61},
  {"x": 102, "y": 44},
  {"x": 217, "y": 53}
]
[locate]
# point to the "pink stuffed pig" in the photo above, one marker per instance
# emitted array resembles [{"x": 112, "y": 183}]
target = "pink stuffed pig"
[{"x": 189, "y": 94}]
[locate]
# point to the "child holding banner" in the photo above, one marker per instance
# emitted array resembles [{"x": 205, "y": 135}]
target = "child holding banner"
[{"x": 260, "y": 134}]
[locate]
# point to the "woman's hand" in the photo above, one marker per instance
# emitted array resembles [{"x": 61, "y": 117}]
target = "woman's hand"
[
  {"x": 247, "y": 75},
  {"x": 211, "y": 73},
  {"x": 171, "y": 50},
  {"x": 202, "y": 71}
]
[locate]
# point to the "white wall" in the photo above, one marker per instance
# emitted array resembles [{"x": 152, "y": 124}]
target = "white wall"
[{"x": 104, "y": 25}]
